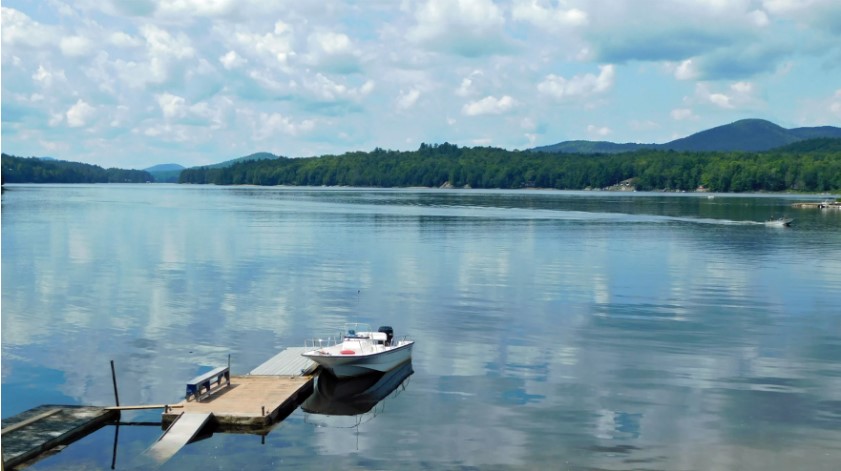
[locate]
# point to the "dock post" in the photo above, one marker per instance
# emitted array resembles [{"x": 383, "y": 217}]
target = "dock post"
[
  {"x": 229, "y": 362},
  {"x": 114, "y": 380}
]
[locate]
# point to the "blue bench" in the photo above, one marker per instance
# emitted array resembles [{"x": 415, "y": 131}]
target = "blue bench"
[{"x": 203, "y": 382}]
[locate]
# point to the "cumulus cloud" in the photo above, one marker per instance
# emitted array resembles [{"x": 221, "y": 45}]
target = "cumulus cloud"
[
  {"x": 46, "y": 77},
  {"x": 287, "y": 68},
  {"x": 75, "y": 46},
  {"x": 323, "y": 88},
  {"x": 278, "y": 44},
  {"x": 121, "y": 39},
  {"x": 835, "y": 104},
  {"x": 172, "y": 106},
  {"x": 20, "y": 31},
  {"x": 547, "y": 16},
  {"x": 579, "y": 86},
  {"x": 686, "y": 70},
  {"x": 681, "y": 114},
  {"x": 408, "y": 99},
  {"x": 598, "y": 131},
  {"x": 470, "y": 28},
  {"x": 738, "y": 95},
  {"x": 489, "y": 105},
  {"x": 231, "y": 60},
  {"x": 270, "y": 124},
  {"x": 79, "y": 114},
  {"x": 333, "y": 52}
]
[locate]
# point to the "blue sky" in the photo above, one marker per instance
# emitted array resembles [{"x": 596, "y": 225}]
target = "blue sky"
[{"x": 136, "y": 83}]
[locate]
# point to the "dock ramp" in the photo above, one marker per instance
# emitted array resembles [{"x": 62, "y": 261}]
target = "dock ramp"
[{"x": 179, "y": 433}]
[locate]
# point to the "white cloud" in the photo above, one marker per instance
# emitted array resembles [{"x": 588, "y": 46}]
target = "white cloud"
[
  {"x": 19, "y": 30},
  {"x": 325, "y": 89},
  {"x": 738, "y": 95},
  {"x": 172, "y": 106},
  {"x": 333, "y": 52},
  {"x": 469, "y": 28},
  {"x": 121, "y": 39},
  {"x": 598, "y": 131},
  {"x": 79, "y": 114},
  {"x": 680, "y": 114},
  {"x": 489, "y": 105},
  {"x": 547, "y": 16},
  {"x": 465, "y": 88},
  {"x": 210, "y": 8},
  {"x": 231, "y": 60},
  {"x": 721, "y": 100},
  {"x": 165, "y": 52},
  {"x": 686, "y": 70},
  {"x": 277, "y": 44},
  {"x": 270, "y": 124},
  {"x": 75, "y": 46},
  {"x": 835, "y": 103},
  {"x": 46, "y": 77},
  {"x": 408, "y": 99},
  {"x": 579, "y": 86}
]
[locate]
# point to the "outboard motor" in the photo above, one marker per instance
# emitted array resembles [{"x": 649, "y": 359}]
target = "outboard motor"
[{"x": 389, "y": 333}]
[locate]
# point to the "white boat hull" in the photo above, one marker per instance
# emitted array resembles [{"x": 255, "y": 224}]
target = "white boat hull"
[{"x": 343, "y": 365}]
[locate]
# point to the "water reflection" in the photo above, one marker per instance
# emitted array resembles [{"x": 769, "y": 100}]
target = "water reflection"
[
  {"x": 554, "y": 329},
  {"x": 354, "y": 396}
]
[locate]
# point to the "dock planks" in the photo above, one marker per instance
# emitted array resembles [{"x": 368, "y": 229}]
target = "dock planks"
[
  {"x": 31, "y": 433},
  {"x": 251, "y": 402},
  {"x": 288, "y": 362}
]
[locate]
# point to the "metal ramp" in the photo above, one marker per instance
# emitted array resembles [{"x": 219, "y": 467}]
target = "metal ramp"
[
  {"x": 289, "y": 362},
  {"x": 179, "y": 433}
]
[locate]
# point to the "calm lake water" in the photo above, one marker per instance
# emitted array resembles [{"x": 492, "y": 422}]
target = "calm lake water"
[{"x": 555, "y": 330}]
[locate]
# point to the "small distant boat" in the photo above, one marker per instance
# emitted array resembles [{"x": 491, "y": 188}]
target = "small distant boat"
[
  {"x": 779, "y": 222},
  {"x": 359, "y": 351}
]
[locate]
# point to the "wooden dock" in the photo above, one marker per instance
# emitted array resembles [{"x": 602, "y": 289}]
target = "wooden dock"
[
  {"x": 255, "y": 402},
  {"x": 250, "y": 402},
  {"x": 28, "y": 435}
]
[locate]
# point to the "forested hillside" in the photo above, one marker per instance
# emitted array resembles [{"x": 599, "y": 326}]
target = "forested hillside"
[
  {"x": 35, "y": 170},
  {"x": 486, "y": 167}
]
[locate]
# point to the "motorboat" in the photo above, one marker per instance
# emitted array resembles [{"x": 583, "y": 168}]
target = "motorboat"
[
  {"x": 354, "y": 396},
  {"x": 359, "y": 351},
  {"x": 779, "y": 222}
]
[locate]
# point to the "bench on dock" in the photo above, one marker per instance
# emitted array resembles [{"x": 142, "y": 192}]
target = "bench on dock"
[{"x": 200, "y": 385}]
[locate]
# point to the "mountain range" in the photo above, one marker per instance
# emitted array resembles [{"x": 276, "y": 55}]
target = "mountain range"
[
  {"x": 749, "y": 135},
  {"x": 168, "y": 173}
]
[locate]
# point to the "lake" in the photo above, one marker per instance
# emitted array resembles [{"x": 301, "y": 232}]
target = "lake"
[{"x": 554, "y": 330}]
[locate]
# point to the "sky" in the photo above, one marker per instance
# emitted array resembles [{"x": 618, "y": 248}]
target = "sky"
[{"x": 134, "y": 83}]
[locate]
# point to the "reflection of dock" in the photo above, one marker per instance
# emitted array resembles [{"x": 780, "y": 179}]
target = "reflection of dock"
[{"x": 29, "y": 434}]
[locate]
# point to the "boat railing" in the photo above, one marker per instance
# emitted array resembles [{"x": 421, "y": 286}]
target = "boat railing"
[{"x": 321, "y": 342}]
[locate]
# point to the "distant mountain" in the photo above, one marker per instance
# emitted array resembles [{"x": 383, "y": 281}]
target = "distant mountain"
[
  {"x": 592, "y": 147},
  {"x": 165, "y": 173},
  {"x": 247, "y": 158},
  {"x": 823, "y": 144},
  {"x": 170, "y": 173},
  {"x": 164, "y": 168},
  {"x": 751, "y": 135}
]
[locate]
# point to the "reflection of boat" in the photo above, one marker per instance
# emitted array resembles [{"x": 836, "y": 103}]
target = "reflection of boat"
[
  {"x": 360, "y": 351},
  {"x": 779, "y": 222},
  {"x": 354, "y": 396}
]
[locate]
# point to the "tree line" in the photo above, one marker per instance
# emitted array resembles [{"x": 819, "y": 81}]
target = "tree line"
[
  {"x": 790, "y": 169},
  {"x": 36, "y": 170}
]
